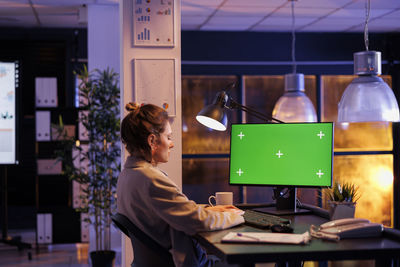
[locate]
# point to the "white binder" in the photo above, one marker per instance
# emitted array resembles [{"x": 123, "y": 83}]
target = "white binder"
[
  {"x": 48, "y": 166},
  {"x": 46, "y": 92},
  {"x": 44, "y": 228},
  {"x": 76, "y": 192},
  {"x": 43, "y": 126},
  {"x": 84, "y": 228}
]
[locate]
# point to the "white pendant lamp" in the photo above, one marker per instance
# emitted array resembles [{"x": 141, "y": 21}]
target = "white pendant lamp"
[
  {"x": 368, "y": 97},
  {"x": 294, "y": 105}
]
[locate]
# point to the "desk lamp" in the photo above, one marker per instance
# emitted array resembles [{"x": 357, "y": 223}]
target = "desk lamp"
[
  {"x": 368, "y": 97},
  {"x": 214, "y": 116}
]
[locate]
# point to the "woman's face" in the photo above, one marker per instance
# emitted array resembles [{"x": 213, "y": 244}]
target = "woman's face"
[{"x": 162, "y": 147}]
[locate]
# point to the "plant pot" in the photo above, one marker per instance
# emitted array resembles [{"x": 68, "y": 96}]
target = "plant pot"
[
  {"x": 102, "y": 258},
  {"x": 341, "y": 210}
]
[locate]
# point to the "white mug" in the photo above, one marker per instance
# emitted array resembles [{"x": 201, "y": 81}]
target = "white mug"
[{"x": 221, "y": 198}]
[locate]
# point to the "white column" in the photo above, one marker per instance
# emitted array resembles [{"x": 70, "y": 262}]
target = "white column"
[
  {"x": 104, "y": 52},
  {"x": 103, "y": 37},
  {"x": 131, "y": 52}
]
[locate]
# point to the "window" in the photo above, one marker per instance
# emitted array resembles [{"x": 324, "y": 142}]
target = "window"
[{"x": 363, "y": 151}]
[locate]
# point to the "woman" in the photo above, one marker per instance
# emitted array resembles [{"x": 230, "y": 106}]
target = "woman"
[{"x": 152, "y": 201}]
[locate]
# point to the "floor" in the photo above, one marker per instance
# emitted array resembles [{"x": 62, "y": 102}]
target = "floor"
[
  {"x": 64, "y": 255},
  {"x": 56, "y": 255}
]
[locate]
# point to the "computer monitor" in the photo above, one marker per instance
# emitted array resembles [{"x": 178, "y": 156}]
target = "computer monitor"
[
  {"x": 286, "y": 155},
  {"x": 9, "y": 81}
]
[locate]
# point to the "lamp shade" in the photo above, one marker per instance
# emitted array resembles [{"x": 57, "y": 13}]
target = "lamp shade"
[
  {"x": 294, "y": 105},
  {"x": 214, "y": 116},
  {"x": 368, "y": 97}
]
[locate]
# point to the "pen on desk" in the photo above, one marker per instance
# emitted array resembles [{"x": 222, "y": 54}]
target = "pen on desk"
[{"x": 248, "y": 236}]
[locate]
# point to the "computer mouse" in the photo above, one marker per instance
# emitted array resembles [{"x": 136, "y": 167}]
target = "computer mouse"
[{"x": 279, "y": 228}]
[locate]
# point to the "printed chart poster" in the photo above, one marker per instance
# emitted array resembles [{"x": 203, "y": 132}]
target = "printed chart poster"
[
  {"x": 153, "y": 23},
  {"x": 7, "y": 113}
]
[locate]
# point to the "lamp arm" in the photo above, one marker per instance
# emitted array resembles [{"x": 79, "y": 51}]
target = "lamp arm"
[{"x": 255, "y": 113}]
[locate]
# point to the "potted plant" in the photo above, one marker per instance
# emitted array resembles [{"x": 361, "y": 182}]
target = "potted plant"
[
  {"x": 342, "y": 200},
  {"x": 99, "y": 93}
]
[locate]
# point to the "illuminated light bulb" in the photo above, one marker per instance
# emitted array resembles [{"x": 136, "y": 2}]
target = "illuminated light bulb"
[
  {"x": 384, "y": 178},
  {"x": 294, "y": 105},
  {"x": 343, "y": 125}
]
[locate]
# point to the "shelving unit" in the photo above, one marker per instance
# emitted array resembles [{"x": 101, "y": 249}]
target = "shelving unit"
[{"x": 57, "y": 220}]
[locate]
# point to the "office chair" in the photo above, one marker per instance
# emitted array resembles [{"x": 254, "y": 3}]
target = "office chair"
[{"x": 147, "y": 252}]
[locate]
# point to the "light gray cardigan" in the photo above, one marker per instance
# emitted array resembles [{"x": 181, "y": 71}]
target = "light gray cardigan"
[{"x": 158, "y": 207}]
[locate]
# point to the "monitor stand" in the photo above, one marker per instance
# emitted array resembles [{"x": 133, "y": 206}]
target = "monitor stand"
[{"x": 285, "y": 203}]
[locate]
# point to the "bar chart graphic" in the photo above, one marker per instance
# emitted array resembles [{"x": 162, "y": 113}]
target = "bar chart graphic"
[
  {"x": 144, "y": 35},
  {"x": 153, "y": 23}
]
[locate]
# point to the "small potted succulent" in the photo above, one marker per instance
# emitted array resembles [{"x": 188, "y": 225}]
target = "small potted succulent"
[{"x": 342, "y": 200}]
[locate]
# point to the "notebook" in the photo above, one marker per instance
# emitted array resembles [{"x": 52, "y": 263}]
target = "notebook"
[{"x": 263, "y": 237}]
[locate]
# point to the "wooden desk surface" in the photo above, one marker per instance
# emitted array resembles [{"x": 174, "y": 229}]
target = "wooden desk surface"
[{"x": 383, "y": 249}]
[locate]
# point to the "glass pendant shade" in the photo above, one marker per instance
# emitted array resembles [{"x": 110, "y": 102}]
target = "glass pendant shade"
[
  {"x": 368, "y": 97},
  {"x": 294, "y": 105}
]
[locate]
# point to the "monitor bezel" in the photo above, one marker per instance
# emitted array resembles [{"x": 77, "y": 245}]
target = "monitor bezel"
[{"x": 283, "y": 185}]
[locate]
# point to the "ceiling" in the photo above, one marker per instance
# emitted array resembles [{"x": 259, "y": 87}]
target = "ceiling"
[{"x": 223, "y": 15}]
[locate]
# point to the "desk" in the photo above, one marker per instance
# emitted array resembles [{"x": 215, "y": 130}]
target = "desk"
[{"x": 384, "y": 250}]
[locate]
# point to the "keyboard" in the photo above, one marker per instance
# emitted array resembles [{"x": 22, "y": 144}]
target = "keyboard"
[{"x": 262, "y": 220}]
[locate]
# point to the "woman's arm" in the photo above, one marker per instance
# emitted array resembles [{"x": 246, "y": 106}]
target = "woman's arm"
[{"x": 187, "y": 216}]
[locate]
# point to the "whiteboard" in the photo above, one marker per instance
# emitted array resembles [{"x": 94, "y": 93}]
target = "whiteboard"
[{"x": 154, "y": 83}]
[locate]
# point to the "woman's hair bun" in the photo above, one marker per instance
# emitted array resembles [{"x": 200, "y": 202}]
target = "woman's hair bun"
[{"x": 132, "y": 106}]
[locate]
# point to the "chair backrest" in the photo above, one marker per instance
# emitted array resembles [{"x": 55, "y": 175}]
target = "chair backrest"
[{"x": 147, "y": 252}]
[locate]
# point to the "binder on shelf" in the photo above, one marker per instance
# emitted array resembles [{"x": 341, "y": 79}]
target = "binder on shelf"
[
  {"x": 42, "y": 125},
  {"x": 48, "y": 166},
  {"x": 46, "y": 92},
  {"x": 82, "y": 164},
  {"x": 77, "y": 193},
  {"x": 44, "y": 228},
  {"x": 84, "y": 228}
]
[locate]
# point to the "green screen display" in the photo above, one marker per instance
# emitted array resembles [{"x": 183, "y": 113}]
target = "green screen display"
[{"x": 292, "y": 154}]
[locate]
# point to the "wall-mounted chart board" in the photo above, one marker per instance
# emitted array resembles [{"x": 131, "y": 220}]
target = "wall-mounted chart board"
[
  {"x": 153, "y": 23},
  {"x": 155, "y": 83}
]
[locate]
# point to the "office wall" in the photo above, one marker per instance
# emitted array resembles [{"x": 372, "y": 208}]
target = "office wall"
[{"x": 267, "y": 53}]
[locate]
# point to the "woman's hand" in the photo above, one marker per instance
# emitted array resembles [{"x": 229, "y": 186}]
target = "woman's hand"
[{"x": 229, "y": 208}]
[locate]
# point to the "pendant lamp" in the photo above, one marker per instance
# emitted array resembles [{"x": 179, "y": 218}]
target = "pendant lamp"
[
  {"x": 294, "y": 105},
  {"x": 368, "y": 97}
]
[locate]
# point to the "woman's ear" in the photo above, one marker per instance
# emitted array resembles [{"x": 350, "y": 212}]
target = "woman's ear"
[{"x": 152, "y": 141}]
